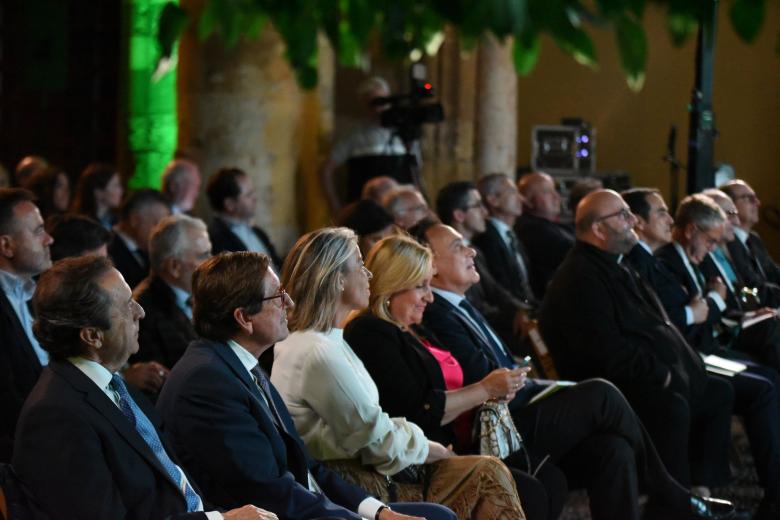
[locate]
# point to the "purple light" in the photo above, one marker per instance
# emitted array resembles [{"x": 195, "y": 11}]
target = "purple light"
[
  {"x": 584, "y": 139},
  {"x": 582, "y": 153}
]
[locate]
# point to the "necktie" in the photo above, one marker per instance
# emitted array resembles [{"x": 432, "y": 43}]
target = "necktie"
[
  {"x": 514, "y": 247},
  {"x": 265, "y": 388},
  {"x": 146, "y": 430},
  {"x": 724, "y": 264},
  {"x": 499, "y": 354}
]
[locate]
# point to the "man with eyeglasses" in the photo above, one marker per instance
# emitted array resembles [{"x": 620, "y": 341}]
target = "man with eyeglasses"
[
  {"x": 226, "y": 421},
  {"x": 748, "y": 252},
  {"x": 600, "y": 320},
  {"x": 406, "y": 205}
]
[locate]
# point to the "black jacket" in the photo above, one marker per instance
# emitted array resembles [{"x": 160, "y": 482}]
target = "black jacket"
[
  {"x": 546, "y": 244},
  {"x": 756, "y": 268},
  {"x": 502, "y": 263},
  {"x": 223, "y": 239},
  {"x": 81, "y": 457},
  {"x": 600, "y": 321},
  {"x": 126, "y": 263},
  {"x": 165, "y": 331}
]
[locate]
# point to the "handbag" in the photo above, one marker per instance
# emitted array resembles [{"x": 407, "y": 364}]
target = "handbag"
[{"x": 496, "y": 431}]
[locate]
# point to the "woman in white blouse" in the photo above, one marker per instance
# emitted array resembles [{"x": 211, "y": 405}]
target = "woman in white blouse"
[{"x": 335, "y": 403}]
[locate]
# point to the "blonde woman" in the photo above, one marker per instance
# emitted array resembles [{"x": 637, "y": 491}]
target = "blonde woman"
[{"x": 335, "y": 403}]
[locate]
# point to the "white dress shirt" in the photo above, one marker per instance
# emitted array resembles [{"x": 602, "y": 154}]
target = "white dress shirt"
[
  {"x": 19, "y": 291},
  {"x": 712, "y": 294}
]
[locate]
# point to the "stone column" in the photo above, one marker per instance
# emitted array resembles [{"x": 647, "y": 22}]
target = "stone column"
[
  {"x": 240, "y": 107},
  {"x": 496, "y": 107}
]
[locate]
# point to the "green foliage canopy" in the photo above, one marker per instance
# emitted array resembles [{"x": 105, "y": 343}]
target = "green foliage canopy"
[{"x": 408, "y": 28}]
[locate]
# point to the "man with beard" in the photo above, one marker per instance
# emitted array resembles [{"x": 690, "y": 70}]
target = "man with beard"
[{"x": 600, "y": 320}]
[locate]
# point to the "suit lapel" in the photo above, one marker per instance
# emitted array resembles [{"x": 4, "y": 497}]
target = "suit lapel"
[
  {"x": 105, "y": 407},
  {"x": 475, "y": 332}
]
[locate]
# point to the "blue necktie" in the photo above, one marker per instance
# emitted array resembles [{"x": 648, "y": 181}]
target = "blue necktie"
[
  {"x": 146, "y": 430},
  {"x": 499, "y": 354},
  {"x": 724, "y": 263}
]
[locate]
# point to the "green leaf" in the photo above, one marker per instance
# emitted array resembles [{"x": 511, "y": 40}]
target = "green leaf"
[
  {"x": 747, "y": 16},
  {"x": 681, "y": 26},
  {"x": 632, "y": 46},
  {"x": 576, "y": 42},
  {"x": 172, "y": 21},
  {"x": 525, "y": 53},
  {"x": 209, "y": 20}
]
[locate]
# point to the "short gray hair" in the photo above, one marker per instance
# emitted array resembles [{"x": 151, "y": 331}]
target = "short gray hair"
[
  {"x": 699, "y": 210},
  {"x": 393, "y": 200},
  {"x": 169, "y": 238}
]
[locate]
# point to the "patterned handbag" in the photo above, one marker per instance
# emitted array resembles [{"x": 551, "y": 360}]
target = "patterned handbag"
[{"x": 496, "y": 431}]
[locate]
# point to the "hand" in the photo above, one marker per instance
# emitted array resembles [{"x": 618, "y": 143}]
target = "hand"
[
  {"x": 502, "y": 381},
  {"x": 386, "y": 514},
  {"x": 249, "y": 512},
  {"x": 149, "y": 376},
  {"x": 717, "y": 285},
  {"x": 700, "y": 309},
  {"x": 438, "y": 452}
]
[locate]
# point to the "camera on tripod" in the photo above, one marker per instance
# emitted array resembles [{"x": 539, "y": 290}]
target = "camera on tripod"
[{"x": 406, "y": 113}]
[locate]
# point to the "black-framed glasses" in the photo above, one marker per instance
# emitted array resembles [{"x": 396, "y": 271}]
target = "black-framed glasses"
[
  {"x": 624, "y": 214},
  {"x": 473, "y": 205},
  {"x": 284, "y": 298}
]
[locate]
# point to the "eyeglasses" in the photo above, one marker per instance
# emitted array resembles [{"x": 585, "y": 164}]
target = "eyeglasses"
[
  {"x": 732, "y": 213},
  {"x": 709, "y": 239},
  {"x": 750, "y": 197},
  {"x": 284, "y": 298},
  {"x": 624, "y": 214},
  {"x": 475, "y": 205}
]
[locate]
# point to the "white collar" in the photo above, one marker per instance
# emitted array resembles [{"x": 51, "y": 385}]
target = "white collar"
[
  {"x": 741, "y": 234},
  {"x": 450, "y": 296},
  {"x": 96, "y": 372},
  {"x": 20, "y": 287},
  {"x": 247, "y": 359}
]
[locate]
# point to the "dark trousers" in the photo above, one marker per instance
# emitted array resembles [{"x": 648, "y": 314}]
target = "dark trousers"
[
  {"x": 762, "y": 342},
  {"x": 757, "y": 401},
  {"x": 692, "y": 437},
  {"x": 424, "y": 509},
  {"x": 592, "y": 433},
  {"x": 544, "y": 494}
]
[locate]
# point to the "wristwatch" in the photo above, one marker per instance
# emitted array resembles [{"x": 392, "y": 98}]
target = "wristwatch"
[{"x": 379, "y": 511}]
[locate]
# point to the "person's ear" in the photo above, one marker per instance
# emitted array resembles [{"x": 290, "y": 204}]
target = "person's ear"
[
  {"x": 91, "y": 337},
  {"x": 689, "y": 231},
  {"x": 172, "y": 266},
  {"x": 243, "y": 320},
  {"x": 7, "y": 246},
  {"x": 640, "y": 225},
  {"x": 229, "y": 204},
  {"x": 459, "y": 216},
  {"x": 597, "y": 230}
]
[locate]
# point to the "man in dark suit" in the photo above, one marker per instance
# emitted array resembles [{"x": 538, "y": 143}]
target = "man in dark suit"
[
  {"x": 674, "y": 279},
  {"x": 87, "y": 447},
  {"x": 232, "y": 197},
  {"x": 178, "y": 245},
  {"x": 228, "y": 424},
  {"x": 748, "y": 252},
  {"x": 600, "y": 320},
  {"x": 545, "y": 239},
  {"x": 129, "y": 249},
  {"x": 459, "y": 205},
  {"x": 505, "y": 255},
  {"x": 24, "y": 253},
  {"x": 588, "y": 429}
]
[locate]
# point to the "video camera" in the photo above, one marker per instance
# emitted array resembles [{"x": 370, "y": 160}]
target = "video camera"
[{"x": 406, "y": 113}]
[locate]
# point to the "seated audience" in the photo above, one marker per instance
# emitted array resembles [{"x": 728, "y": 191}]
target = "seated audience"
[
  {"x": 178, "y": 245},
  {"x": 459, "y": 205},
  {"x": 674, "y": 277},
  {"x": 370, "y": 222},
  {"x": 376, "y": 188},
  {"x": 87, "y": 447},
  {"x": 99, "y": 194},
  {"x": 52, "y": 191},
  {"x": 232, "y": 197},
  {"x": 406, "y": 205},
  {"x": 600, "y": 320},
  {"x": 24, "y": 254},
  {"x": 418, "y": 379},
  {"x": 581, "y": 188},
  {"x": 181, "y": 185},
  {"x": 335, "y": 403},
  {"x": 546, "y": 241},
  {"x": 589, "y": 429},
  {"x": 76, "y": 235},
  {"x": 27, "y": 167},
  {"x": 505, "y": 257},
  {"x": 129, "y": 248},
  {"x": 228, "y": 424},
  {"x": 748, "y": 252}
]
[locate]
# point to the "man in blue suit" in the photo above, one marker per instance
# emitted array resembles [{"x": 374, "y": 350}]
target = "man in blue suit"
[{"x": 228, "y": 424}]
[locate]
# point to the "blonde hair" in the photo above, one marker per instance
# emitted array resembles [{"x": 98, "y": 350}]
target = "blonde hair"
[
  {"x": 398, "y": 263},
  {"x": 310, "y": 276}
]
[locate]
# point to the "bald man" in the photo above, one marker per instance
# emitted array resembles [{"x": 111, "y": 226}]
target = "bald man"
[
  {"x": 748, "y": 252},
  {"x": 546, "y": 241},
  {"x": 600, "y": 320}
]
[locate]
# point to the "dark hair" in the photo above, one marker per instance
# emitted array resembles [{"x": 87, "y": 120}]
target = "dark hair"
[
  {"x": 74, "y": 235},
  {"x": 95, "y": 176},
  {"x": 42, "y": 184},
  {"x": 139, "y": 200},
  {"x": 419, "y": 230},
  {"x": 68, "y": 298},
  {"x": 222, "y": 284},
  {"x": 9, "y": 198},
  {"x": 636, "y": 198},
  {"x": 364, "y": 217},
  {"x": 223, "y": 185},
  {"x": 454, "y": 195}
]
